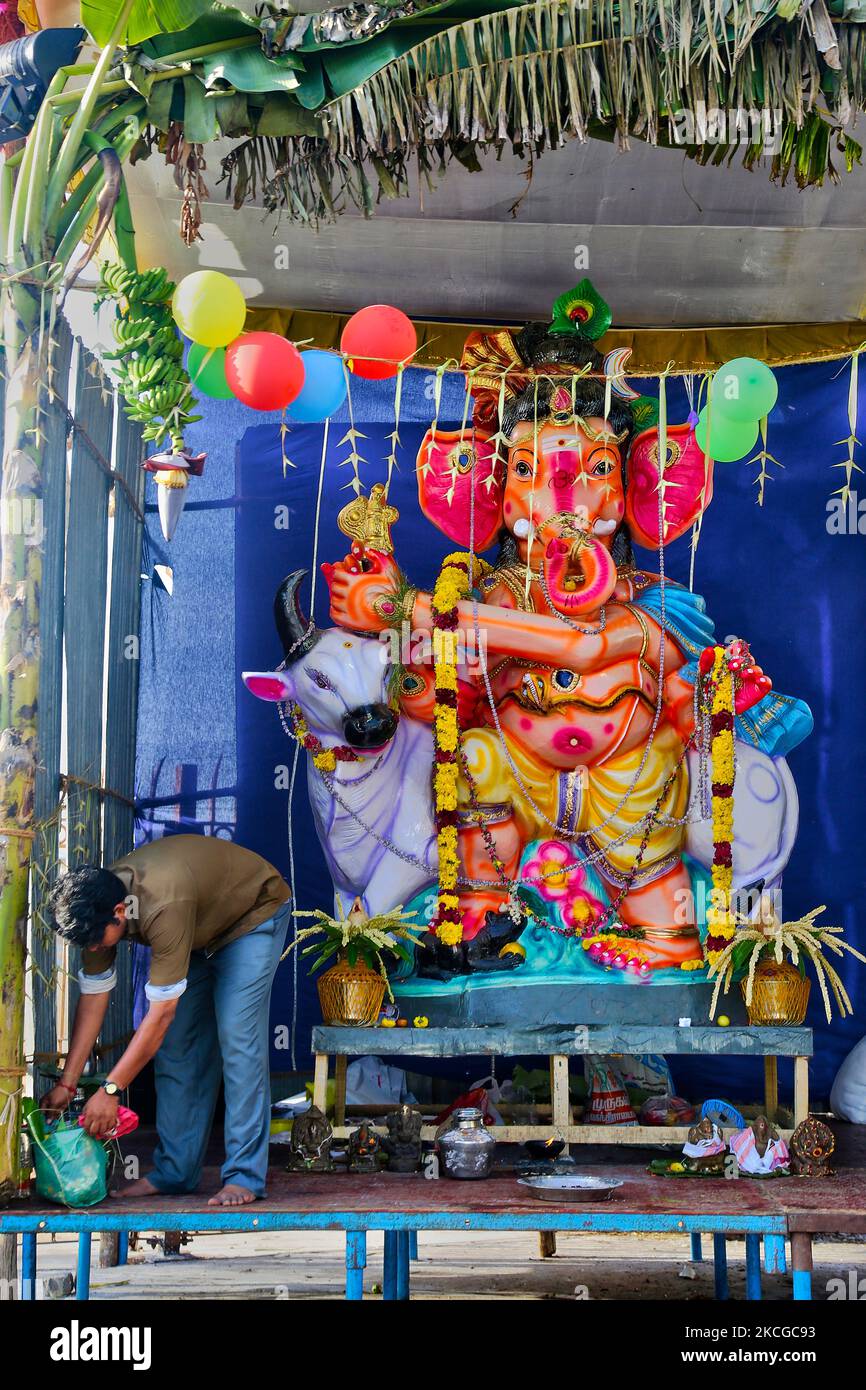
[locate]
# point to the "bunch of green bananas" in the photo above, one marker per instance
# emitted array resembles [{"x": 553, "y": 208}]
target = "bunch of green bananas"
[{"x": 150, "y": 373}]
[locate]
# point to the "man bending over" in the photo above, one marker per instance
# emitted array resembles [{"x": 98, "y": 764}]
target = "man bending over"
[{"x": 215, "y": 917}]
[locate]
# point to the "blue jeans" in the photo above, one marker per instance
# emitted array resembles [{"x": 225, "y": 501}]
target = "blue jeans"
[{"x": 220, "y": 1029}]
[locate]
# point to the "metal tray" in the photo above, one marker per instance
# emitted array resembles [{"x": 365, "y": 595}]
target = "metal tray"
[{"x": 568, "y": 1188}]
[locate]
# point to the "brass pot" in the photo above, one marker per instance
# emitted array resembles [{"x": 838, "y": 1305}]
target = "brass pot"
[
  {"x": 780, "y": 994},
  {"x": 351, "y": 995}
]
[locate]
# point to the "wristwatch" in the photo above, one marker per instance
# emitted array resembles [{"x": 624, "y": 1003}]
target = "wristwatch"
[{"x": 111, "y": 1088}]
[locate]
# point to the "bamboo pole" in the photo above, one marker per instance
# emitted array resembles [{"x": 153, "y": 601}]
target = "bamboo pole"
[{"x": 27, "y": 318}]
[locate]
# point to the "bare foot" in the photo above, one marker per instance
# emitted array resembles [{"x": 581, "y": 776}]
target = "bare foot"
[
  {"x": 232, "y": 1195},
  {"x": 142, "y": 1187}
]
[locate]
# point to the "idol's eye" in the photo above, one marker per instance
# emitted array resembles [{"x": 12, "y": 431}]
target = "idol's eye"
[
  {"x": 565, "y": 680},
  {"x": 523, "y": 469},
  {"x": 602, "y": 461}
]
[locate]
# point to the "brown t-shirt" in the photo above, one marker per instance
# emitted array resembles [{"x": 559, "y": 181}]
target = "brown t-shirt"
[{"x": 190, "y": 893}]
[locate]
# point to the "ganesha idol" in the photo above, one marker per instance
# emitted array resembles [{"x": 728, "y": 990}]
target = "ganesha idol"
[{"x": 572, "y": 791}]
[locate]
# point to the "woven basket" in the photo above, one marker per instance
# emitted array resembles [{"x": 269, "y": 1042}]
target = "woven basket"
[
  {"x": 351, "y": 995},
  {"x": 780, "y": 994}
]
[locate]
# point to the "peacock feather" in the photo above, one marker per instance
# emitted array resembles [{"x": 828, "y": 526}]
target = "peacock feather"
[{"x": 581, "y": 310}]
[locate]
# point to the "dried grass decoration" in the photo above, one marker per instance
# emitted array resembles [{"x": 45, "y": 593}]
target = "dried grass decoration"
[
  {"x": 768, "y": 939},
  {"x": 351, "y": 991}
]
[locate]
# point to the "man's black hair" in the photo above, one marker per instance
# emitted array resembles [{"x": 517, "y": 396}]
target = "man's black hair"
[{"x": 82, "y": 904}]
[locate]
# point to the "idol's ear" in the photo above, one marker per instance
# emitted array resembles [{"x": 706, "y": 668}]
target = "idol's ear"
[
  {"x": 269, "y": 685},
  {"x": 449, "y": 462},
  {"x": 688, "y": 474}
]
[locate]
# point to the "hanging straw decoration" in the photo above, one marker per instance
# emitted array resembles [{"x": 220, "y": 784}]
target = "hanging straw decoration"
[
  {"x": 763, "y": 457},
  {"x": 351, "y": 437},
  {"x": 424, "y": 468},
  {"x": 284, "y": 430},
  {"x": 394, "y": 436},
  {"x": 851, "y": 442}
]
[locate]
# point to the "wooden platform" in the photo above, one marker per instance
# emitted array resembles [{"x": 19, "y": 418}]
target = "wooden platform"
[
  {"x": 398, "y": 1205},
  {"x": 559, "y": 1044}
]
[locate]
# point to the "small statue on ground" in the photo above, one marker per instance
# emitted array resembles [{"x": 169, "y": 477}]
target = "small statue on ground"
[
  {"x": 759, "y": 1149},
  {"x": 705, "y": 1149},
  {"x": 310, "y": 1149},
  {"x": 365, "y": 1148},
  {"x": 403, "y": 1142},
  {"x": 812, "y": 1145}
]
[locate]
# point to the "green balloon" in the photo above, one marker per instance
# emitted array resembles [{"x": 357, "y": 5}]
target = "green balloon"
[
  {"x": 729, "y": 439},
  {"x": 207, "y": 371},
  {"x": 744, "y": 389}
]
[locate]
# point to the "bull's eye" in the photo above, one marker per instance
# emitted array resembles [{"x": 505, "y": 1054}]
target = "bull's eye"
[
  {"x": 565, "y": 680},
  {"x": 321, "y": 680}
]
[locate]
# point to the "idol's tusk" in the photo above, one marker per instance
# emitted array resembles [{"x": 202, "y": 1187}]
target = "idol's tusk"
[
  {"x": 603, "y": 528},
  {"x": 523, "y": 528}
]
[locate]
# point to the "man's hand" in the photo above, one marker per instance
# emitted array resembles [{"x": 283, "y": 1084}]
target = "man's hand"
[
  {"x": 56, "y": 1099},
  {"x": 100, "y": 1115}
]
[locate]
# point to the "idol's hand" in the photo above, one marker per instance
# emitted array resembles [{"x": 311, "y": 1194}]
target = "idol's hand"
[
  {"x": 750, "y": 682},
  {"x": 364, "y": 586},
  {"x": 753, "y": 686}
]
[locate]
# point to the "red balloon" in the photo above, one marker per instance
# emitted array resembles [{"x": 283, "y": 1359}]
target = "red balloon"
[
  {"x": 379, "y": 331},
  {"x": 264, "y": 370}
]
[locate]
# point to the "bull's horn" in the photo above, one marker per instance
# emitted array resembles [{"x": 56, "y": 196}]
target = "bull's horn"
[{"x": 297, "y": 633}]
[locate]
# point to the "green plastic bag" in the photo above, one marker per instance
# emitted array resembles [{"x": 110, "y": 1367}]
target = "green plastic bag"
[{"x": 71, "y": 1166}]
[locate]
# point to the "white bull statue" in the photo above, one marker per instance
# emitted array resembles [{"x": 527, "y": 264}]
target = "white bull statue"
[{"x": 373, "y": 813}]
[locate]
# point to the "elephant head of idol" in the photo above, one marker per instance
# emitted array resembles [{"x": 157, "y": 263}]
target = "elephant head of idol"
[{"x": 555, "y": 464}]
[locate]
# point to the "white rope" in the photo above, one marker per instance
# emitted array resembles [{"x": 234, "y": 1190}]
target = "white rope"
[{"x": 315, "y": 564}]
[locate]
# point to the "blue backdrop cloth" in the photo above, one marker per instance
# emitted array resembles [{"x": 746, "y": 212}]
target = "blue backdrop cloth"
[{"x": 211, "y": 758}]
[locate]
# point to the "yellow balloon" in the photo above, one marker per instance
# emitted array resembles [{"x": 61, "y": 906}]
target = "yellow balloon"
[{"x": 209, "y": 308}]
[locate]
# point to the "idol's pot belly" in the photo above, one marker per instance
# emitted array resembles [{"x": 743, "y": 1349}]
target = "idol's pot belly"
[{"x": 578, "y": 736}]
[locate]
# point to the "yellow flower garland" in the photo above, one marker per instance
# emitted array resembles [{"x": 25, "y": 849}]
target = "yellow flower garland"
[
  {"x": 451, "y": 586},
  {"x": 721, "y": 924}
]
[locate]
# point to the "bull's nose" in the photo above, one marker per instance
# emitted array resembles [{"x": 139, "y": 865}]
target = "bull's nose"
[{"x": 369, "y": 726}]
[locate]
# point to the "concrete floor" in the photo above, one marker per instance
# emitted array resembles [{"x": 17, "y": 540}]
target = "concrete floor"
[{"x": 478, "y": 1266}]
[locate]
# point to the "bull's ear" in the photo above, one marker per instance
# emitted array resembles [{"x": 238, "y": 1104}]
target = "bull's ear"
[
  {"x": 689, "y": 476},
  {"x": 269, "y": 685},
  {"x": 449, "y": 461}
]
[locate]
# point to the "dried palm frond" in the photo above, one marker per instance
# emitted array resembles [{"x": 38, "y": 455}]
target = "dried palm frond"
[
  {"x": 355, "y": 934},
  {"x": 535, "y": 76},
  {"x": 801, "y": 939}
]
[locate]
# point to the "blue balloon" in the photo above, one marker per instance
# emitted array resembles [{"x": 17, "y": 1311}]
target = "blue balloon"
[{"x": 324, "y": 388}]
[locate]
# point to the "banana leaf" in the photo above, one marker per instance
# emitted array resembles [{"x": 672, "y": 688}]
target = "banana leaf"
[
  {"x": 233, "y": 114},
  {"x": 223, "y": 22},
  {"x": 148, "y": 17},
  {"x": 280, "y": 114},
  {"x": 159, "y": 105},
  {"x": 311, "y": 91},
  {"x": 248, "y": 70},
  {"x": 200, "y": 120}
]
